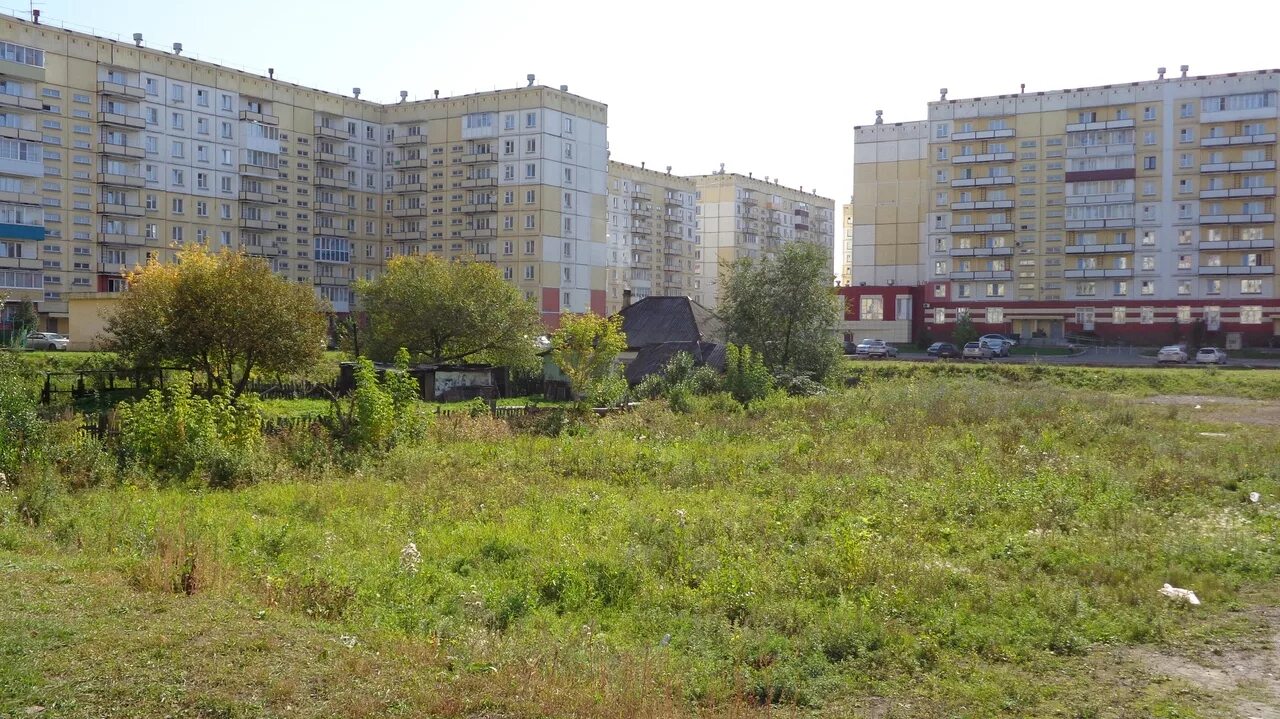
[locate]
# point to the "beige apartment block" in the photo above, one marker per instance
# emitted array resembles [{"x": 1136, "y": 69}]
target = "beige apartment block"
[
  {"x": 113, "y": 153},
  {"x": 651, "y": 234},
  {"x": 1126, "y": 210},
  {"x": 742, "y": 216}
]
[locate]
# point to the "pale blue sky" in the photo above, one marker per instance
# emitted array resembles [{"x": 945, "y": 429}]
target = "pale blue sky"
[{"x": 771, "y": 88}]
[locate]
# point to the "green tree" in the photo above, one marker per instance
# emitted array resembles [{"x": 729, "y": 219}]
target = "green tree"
[
  {"x": 964, "y": 332},
  {"x": 745, "y": 375},
  {"x": 225, "y": 315},
  {"x": 448, "y": 312},
  {"x": 26, "y": 319},
  {"x": 20, "y": 427},
  {"x": 585, "y": 347},
  {"x": 784, "y": 307}
]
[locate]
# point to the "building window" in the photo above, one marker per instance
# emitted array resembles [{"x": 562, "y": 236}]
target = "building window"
[
  {"x": 1117, "y": 315},
  {"x": 1149, "y": 162},
  {"x": 939, "y": 314},
  {"x": 531, "y": 119},
  {"x": 940, "y": 291},
  {"x": 871, "y": 308},
  {"x": 995, "y": 315},
  {"x": 1250, "y": 287},
  {"x": 995, "y": 289},
  {"x": 1184, "y": 287},
  {"x": 1251, "y": 315}
]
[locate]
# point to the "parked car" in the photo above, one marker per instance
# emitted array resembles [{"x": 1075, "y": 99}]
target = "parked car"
[
  {"x": 1172, "y": 353},
  {"x": 978, "y": 350},
  {"x": 876, "y": 348},
  {"x": 1003, "y": 338},
  {"x": 943, "y": 350},
  {"x": 51, "y": 341},
  {"x": 999, "y": 347},
  {"x": 1211, "y": 355}
]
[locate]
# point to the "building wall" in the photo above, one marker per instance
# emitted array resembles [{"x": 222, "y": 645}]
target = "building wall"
[
  {"x": 741, "y": 216},
  {"x": 844, "y": 248},
  {"x": 651, "y": 234},
  {"x": 1148, "y": 194},
  {"x": 888, "y": 232},
  {"x": 116, "y": 153}
]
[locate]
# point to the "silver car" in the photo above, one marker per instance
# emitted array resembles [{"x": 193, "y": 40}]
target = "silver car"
[
  {"x": 876, "y": 348},
  {"x": 1211, "y": 355},
  {"x": 1172, "y": 353},
  {"x": 51, "y": 341}
]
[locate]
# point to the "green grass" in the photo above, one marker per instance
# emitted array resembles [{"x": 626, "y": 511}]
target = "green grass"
[{"x": 936, "y": 546}]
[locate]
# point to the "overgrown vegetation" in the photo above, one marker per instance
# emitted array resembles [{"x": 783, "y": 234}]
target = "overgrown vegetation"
[{"x": 923, "y": 544}]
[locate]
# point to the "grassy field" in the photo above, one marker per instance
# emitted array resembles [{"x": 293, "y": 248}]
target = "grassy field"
[{"x": 919, "y": 545}]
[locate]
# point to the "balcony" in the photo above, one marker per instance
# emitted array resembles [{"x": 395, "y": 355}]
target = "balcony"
[
  {"x": 251, "y": 223},
  {"x": 988, "y": 227},
  {"x": 261, "y": 171},
  {"x": 1238, "y": 270},
  {"x": 20, "y": 231},
  {"x": 1099, "y": 224},
  {"x": 1123, "y": 198},
  {"x": 1238, "y": 166},
  {"x": 479, "y": 182},
  {"x": 983, "y": 275},
  {"x": 400, "y": 140},
  {"x": 802, "y": 227},
  {"x": 479, "y": 157},
  {"x": 19, "y": 102},
  {"x": 330, "y": 157},
  {"x": 119, "y": 119},
  {"x": 20, "y": 198},
  {"x": 262, "y": 198},
  {"x": 409, "y": 235},
  {"x": 1237, "y": 219},
  {"x": 1098, "y": 249},
  {"x": 120, "y": 89},
  {"x": 641, "y": 228},
  {"x": 333, "y": 132},
  {"x": 983, "y": 205},
  {"x": 981, "y": 134},
  {"x": 478, "y": 234},
  {"x": 258, "y": 117},
  {"x": 642, "y": 195},
  {"x": 322, "y": 181},
  {"x": 409, "y": 212},
  {"x": 748, "y": 200},
  {"x": 1236, "y": 244},
  {"x": 121, "y": 238},
  {"x": 984, "y": 157},
  {"x": 409, "y": 187},
  {"x": 980, "y": 251},
  {"x": 981, "y": 181},
  {"x": 21, "y": 263},
  {"x": 1238, "y": 192},
  {"x": 674, "y": 202},
  {"x": 1266, "y": 139},
  {"x": 114, "y": 268},
  {"x": 18, "y": 133},
  {"x": 483, "y": 207},
  {"x": 417, "y": 163},
  {"x": 1105, "y": 125},
  {"x": 331, "y": 231},
  {"x": 106, "y": 178},
  {"x": 332, "y": 208},
  {"x": 111, "y": 208},
  {"x": 119, "y": 150},
  {"x": 1096, "y": 273}
]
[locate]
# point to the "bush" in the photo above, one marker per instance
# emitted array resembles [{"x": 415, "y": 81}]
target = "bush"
[
  {"x": 799, "y": 384},
  {"x": 178, "y": 436},
  {"x": 679, "y": 381},
  {"x": 20, "y": 429},
  {"x": 745, "y": 376}
]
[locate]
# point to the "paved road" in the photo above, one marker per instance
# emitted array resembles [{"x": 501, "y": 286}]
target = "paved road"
[{"x": 1101, "y": 356}]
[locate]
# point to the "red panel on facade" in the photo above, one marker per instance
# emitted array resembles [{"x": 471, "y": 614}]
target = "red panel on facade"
[
  {"x": 551, "y": 299},
  {"x": 598, "y": 302}
]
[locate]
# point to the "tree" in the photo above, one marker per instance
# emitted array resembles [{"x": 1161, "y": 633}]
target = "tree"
[
  {"x": 25, "y": 319},
  {"x": 225, "y": 315},
  {"x": 964, "y": 332},
  {"x": 785, "y": 309},
  {"x": 448, "y": 312},
  {"x": 585, "y": 347},
  {"x": 745, "y": 376}
]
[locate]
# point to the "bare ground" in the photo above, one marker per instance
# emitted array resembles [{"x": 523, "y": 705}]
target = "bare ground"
[{"x": 1221, "y": 409}]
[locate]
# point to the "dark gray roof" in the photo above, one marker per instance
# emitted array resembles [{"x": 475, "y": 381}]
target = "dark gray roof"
[
  {"x": 653, "y": 359},
  {"x": 654, "y": 320}
]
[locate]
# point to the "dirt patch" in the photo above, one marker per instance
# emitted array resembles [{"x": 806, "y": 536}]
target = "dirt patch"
[
  {"x": 1221, "y": 409},
  {"x": 1243, "y": 679}
]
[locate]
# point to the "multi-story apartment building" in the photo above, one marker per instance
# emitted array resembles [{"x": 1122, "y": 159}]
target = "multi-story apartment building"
[
  {"x": 651, "y": 233},
  {"x": 741, "y": 216},
  {"x": 844, "y": 248},
  {"x": 1133, "y": 211},
  {"x": 112, "y": 153}
]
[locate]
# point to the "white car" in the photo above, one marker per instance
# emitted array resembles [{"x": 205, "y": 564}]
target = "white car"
[
  {"x": 51, "y": 341},
  {"x": 999, "y": 338},
  {"x": 1172, "y": 353},
  {"x": 1211, "y": 355},
  {"x": 876, "y": 348}
]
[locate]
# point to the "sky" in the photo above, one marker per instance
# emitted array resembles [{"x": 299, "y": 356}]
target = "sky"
[{"x": 769, "y": 88}]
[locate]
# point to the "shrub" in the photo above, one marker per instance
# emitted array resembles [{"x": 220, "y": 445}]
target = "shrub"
[
  {"x": 177, "y": 435},
  {"x": 20, "y": 428},
  {"x": 745, "y": 375},
  {"x": 799, "y": 384}
]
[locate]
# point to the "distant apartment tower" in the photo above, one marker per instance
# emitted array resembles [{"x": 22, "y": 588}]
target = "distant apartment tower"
[
  {"x": 112, "y": 153},
  {"x": 651, "y": 234},
  {"x": 844, "y": 248},
  {"x": 741, "y": 216},
  {"x": 1132, "y": 211}
]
